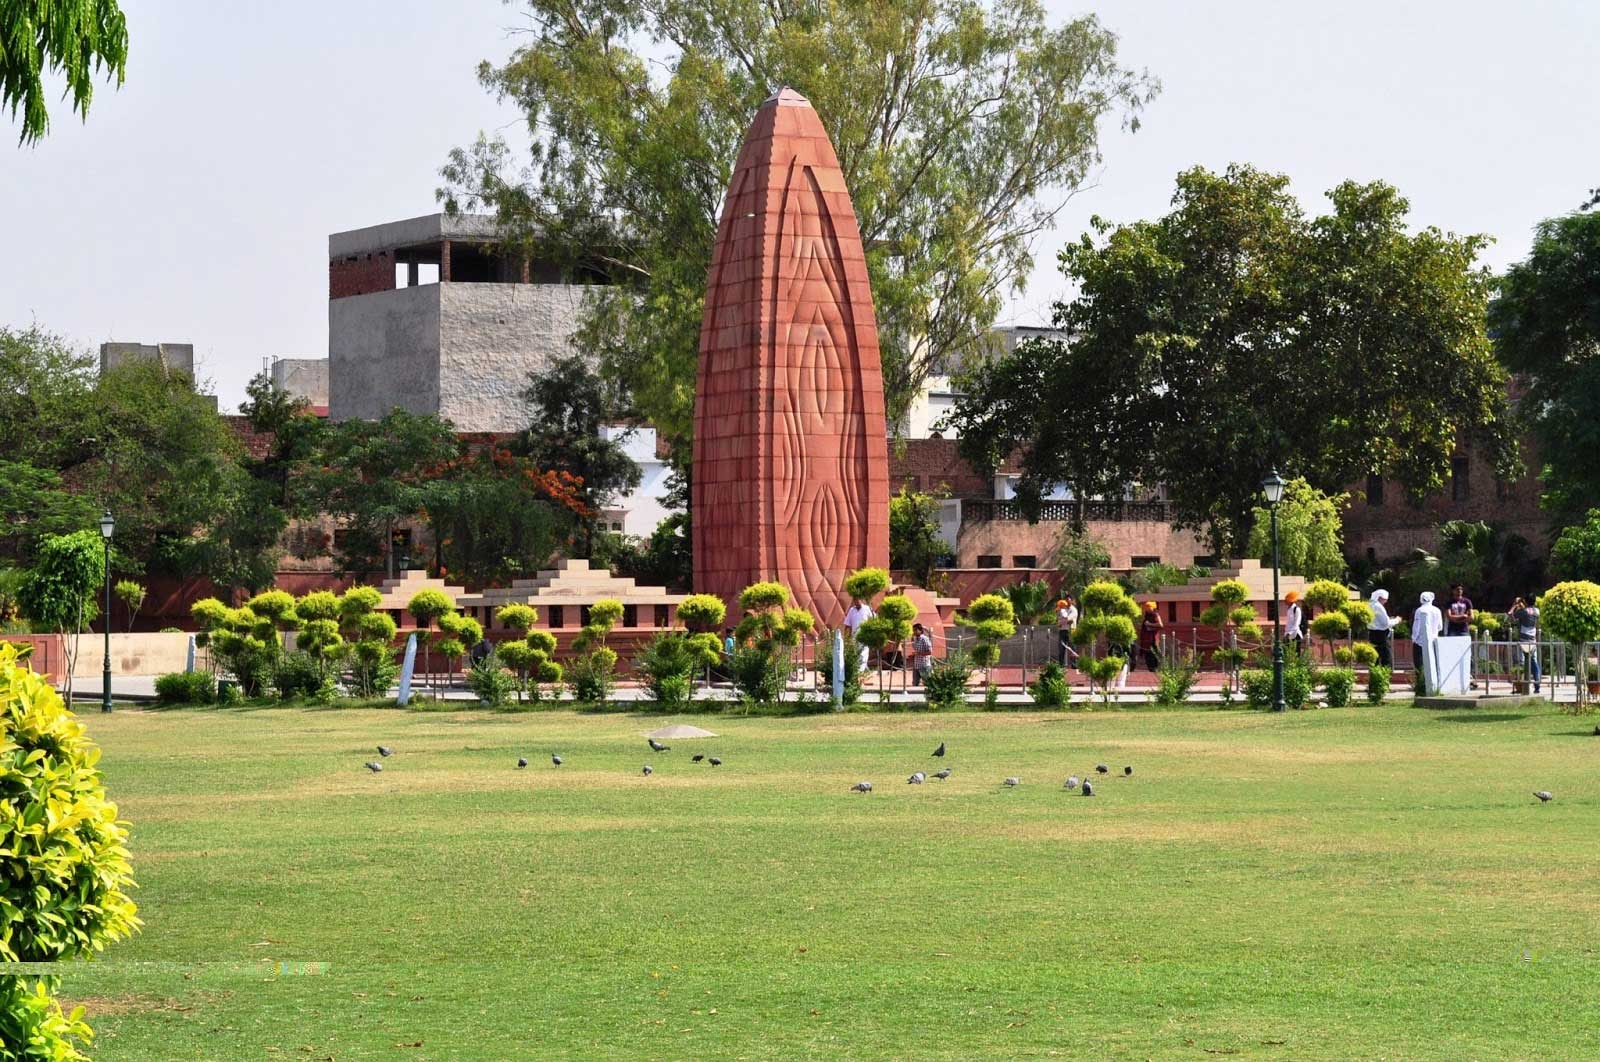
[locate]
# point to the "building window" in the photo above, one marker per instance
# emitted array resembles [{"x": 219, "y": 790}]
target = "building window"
[
  {"x": 1374, "y": 491},
  {"x": 1145, "y": 562},
  {"x": 583, "y": 616},
  {"x": 1459, "y": 489},
  {"x": 988, "y": 560},
  {"x": 1194, "y": 612},
  {"x": 662, "y": 619},
  {"x": 553, "y": 613},
  {"x": 630, "y": 615},
  {"x": 616, "y": 525},
  {"x": 1172, "y": 612},
  {"x": 1024, "y": 560}
]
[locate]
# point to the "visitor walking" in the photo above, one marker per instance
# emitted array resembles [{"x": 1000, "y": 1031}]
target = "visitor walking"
[
  {"x": 859, "y": 613},
  {"x": 1149, "y": 630},
  {"x": 1524, "y": 620},
  {"x": 1458, "y": 614},
  {"x": 1066, "y": 623},
  {"x": 1426, "y": 623},
  {"x": 1294, "y": 623},
  {"x": 921, "y": 652},
  {"x": 1380, "y": 629}
]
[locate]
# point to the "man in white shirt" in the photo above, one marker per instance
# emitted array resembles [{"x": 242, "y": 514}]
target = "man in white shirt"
[
  {"x": 1294, "y": 623},
  {"x": 1380, "y": 629},
  {"x": 859, "y": 613},
  {"x": 1066, "y": 623}
]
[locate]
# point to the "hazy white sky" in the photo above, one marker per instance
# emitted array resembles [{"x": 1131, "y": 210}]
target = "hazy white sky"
[{"x": 195, "y": 204}]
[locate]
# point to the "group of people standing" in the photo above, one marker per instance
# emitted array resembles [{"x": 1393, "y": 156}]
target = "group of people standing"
[
  {"x": 1427, "y": 623},
  {"x": 1149, "y": 634}
]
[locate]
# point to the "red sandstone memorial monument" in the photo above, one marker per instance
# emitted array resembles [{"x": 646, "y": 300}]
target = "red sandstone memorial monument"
[{"x": 791, "y": 463}]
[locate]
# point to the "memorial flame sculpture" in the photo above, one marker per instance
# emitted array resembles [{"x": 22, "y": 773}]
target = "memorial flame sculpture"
[{"x": 791, "y": 463}]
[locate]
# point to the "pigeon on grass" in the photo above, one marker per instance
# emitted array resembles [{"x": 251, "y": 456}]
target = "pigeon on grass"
[
  {"x": 1544, "y": 795},
  {"x": 942, "y": 775},
  {"x": 1071, "y": 782},
  {"x": 373, "y": 766},
  {"x": 1088, "y": 788},
  {"x": 861, "y": 787},
  {"x": 1101, "y": 768},
  {"x": 714, "y": 762},
  {"x": 1011, "y": 783},
  {"x": 697, "y": 757},
  {"x": 648, "y": 770},
  {"x": 555, "y": 759},
  {"x": 940, "y": 750},
  {"x": 522, "y": 761},
  {"x": 385, "y": 751},
  {"x": 917, "y": 779},
  {"x": 656, "y": 746}
]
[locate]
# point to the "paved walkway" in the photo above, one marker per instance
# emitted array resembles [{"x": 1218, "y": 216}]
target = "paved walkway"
[{"x": 1139, "y": 692}]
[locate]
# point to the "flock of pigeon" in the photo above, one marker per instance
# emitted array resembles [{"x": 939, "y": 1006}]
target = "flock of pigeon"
[
  {"x": 1072, "y": 783},
  {"x": 555, "y": 758}
]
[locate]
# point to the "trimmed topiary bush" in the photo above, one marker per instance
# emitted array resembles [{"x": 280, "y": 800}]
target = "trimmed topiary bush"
[
  {"x": 1051, "y": 689},
  {"x": 186, "y": 687},
  {"x": 1378, "y": 678},
  {"x": 67, "y": 874},
  {"x": 702, "y": 612},
  {"x": 946, "y": 681},
  {"x": 865, "y": 584},
  {"x": 1338, "y": 682}
]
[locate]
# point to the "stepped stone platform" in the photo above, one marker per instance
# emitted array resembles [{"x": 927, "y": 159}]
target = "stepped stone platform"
[{"x": 560, "y": 594}]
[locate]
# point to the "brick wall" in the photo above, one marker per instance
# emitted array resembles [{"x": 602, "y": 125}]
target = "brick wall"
[
  {"x": 1397, "y": 526},
  {"x": 360, "y": 274},
  {"x": 1123, "y": 539},
  {"x": 929, "y": 464}
]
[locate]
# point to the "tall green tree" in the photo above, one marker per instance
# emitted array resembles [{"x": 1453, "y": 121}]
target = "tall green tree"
[
  {"x": 1234, "y": 335},
  {"x": 1310, "y": 532},
  {"x": 569, "y": 403},
  {"x": 915, "y": 543},
  {"x": 1546, "y": 324},
  {"x": 961, "y": 127},
  {"x": 371, "y": 476},
  {"x": 137, "y": 439},
  {"x": 72, "y": 39},
  {"x": 57, "y": 594},
  {"x": 240, "y": 550}
]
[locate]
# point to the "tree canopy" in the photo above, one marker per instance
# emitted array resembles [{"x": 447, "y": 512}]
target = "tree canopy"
[
  {"x": 1310, "y": 523},
  {"x": 75, "y": 39},
  {"x": 1235, "y": 334},
  {"x": 961, "y": 127},
  {"x": 1546, "y": 324}
]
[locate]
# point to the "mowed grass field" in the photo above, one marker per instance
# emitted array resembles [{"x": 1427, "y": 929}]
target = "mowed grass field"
[{"x": 1360, "y": 883}]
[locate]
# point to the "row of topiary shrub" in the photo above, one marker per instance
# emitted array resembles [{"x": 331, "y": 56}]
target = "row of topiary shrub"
[{"x": 1300, "y": 680}]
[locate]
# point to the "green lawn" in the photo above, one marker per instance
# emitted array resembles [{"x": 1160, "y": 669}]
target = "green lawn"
[{"x": 1333, "y": 884}]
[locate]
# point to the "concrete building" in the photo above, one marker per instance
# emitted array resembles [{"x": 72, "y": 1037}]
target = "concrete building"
[
  {"x": 174, "y": 357},
  {"x": 305, "y": 378},
  {"x": 430, "y": 316}
]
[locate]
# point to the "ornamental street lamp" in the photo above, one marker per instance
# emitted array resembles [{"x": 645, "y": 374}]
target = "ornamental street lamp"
[
  {"x": 1272, "y": 487},
  {"x": 108, "y": 527}
]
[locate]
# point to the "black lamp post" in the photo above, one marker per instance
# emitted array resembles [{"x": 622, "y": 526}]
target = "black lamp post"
[
  {"x": 1272, "y": 487},
  {"x": 108, "y": 527}
]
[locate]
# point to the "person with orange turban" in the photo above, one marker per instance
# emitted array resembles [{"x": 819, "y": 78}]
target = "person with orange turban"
[{"x": 1294, "y": 624}]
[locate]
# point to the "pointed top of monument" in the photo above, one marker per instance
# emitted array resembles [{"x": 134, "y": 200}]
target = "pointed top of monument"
[{"x": 787, "y": 97}]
